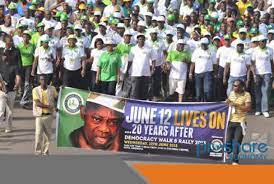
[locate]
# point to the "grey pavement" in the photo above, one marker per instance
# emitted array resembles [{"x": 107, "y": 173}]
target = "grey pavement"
[{"x": 16, "y": 148}]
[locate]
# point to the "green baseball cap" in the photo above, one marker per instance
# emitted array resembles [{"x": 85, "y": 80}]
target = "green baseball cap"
[
  {"x": 32, "y": 7},
  {"x": 254, "y": 30},
  {"x": 41, "y": 24},
  {"x": 171, "y": 17},
  {"x": 207, "y": 17},
  {"x": 64, "y": 17},
  {"x": 240, "y": 23},
  {"x": 12, "y": 6},
  {"x": 227, "y": 37}
]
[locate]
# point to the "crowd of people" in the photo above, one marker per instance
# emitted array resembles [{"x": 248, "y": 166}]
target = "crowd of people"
[{"x": 159, "y": 50}]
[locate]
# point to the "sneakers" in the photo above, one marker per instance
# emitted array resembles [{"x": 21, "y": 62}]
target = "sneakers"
[
  {"x": 8, "y": 131},
  {"x": 235, "y": 163},
  {"x": 258, "y": 113},
  {"x": 266, "y": 114}
]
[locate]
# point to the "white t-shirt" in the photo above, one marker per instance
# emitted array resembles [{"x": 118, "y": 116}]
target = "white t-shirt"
[
  {"x": 73, "y": 58},
  {"x": 159, "y": 48},
  {"x": 6, "y": 29},
  {"x": 204, "y": 60},
  {"x": 223, "y": 54},
  {"x": 45, "y": 57},
  {"x": 141, "y": 58},
  {"x": 178, "y": 70},
  {"x": 238, "y": 64},
  {"x": 95, "y": 53},
  {"x": 263, "y": 59}
]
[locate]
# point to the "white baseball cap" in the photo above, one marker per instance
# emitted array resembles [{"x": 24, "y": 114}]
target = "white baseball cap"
[
  {"x": 149, "y": 14},
  {"x": 48, "y": 26},
  {"x": 102, "y": 24},
  {"x": 243, "y": 30},
  {"x": 180, "y": 26},
  {"x": 169, "y": 32},
  {"x": 44, "y": 38},
  {"x": 181, "y": 41},
  {"x": 161, "y": 19},
  {"x": 204, "y": 41},
  {"x": 262, "y": 38},
  {"x": 97, "y": 13},
  {"x": 127, "y": 32},
  {"x": 216, "y": 38},
  {"x": 141, "y": 23},
  {"x": 78, "y": 26},
  {"x": 121, "y": 25},
  {"x": 109, "y": 41}
]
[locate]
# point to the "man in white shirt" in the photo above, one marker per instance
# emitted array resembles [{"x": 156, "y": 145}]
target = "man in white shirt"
[
  {"x": 239, "y": 65},
  {"x": 44, "y": 59},
  {"x": 178, "y": 65},
  {"x": 203, "y": 60},
  {"x": 262, "y": 64},
  {"x": 222, "y": 55},
  {"x": 139, "y": 59},
  {"x": 102, "y": 33},
  {"x": 243, "y": 38},
  {"x": 159, "y": 47}
]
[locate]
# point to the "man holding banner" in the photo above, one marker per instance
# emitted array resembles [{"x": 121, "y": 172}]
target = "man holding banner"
[{"x": 103, "y": 116}]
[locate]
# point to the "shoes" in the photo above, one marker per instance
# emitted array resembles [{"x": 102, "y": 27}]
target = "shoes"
[
  {"x": 235, "y": 163},
  {"x": 8, "y": 131},
  {"x": 258, "y": 113},
  {"x": 266, "y": 114}
]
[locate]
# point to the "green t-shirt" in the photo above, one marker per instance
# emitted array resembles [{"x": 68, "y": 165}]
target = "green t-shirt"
[
  {"x": 26, "y": 53},
  {"x": 176, "y": 56},
  {"x": 109, "y": 63},
  {"x": 123, "y": 48},
  {"x": 35, "y": 37}
]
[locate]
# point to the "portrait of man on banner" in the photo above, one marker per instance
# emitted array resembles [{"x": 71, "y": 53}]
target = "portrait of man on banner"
[{"x": 103, "y": 116}]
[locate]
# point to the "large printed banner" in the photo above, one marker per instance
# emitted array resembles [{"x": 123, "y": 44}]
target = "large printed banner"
[{"x": 96, "y": 121}]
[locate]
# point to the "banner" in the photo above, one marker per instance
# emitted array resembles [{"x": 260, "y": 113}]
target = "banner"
[{"x": 96, "y": 121}]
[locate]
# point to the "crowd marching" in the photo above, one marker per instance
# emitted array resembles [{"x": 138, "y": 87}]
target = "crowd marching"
[{"x": 159, "y": 50}]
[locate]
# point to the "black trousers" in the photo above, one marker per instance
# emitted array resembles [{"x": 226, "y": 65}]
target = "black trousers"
[
  {"x": 72, "y": 79},
  {"x": 108, "y": 87},
  {"x": 93, "y": 86},
  {"x": 234, "y": 139},
  {"x": 139, "y": 88}
]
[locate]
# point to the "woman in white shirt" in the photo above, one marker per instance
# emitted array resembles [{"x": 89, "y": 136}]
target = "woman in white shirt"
[
  {"x": 94, "y": 58},
  {"x": 74, "y": 65}
]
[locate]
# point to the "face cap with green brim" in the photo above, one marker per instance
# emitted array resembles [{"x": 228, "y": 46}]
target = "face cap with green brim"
[
  {"x": 27, "y": 33},
  {"x": 110, "y": 102},
  {"x": 227, "y": 37}
]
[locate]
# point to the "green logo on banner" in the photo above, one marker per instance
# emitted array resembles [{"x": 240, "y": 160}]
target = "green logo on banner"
[{"x": 72, "y": 103}]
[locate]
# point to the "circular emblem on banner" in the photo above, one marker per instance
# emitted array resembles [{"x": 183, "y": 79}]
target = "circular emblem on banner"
[
  {"x": 216, "y": 145},
  {"x": 72, "y": 103}
]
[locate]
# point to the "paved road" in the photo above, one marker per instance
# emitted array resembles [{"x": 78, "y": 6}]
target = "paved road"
[
  {"x": 21, "y": 140},
  {"x": 16, "y": 150}
]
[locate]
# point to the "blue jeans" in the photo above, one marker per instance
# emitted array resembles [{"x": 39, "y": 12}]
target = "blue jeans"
[
  {"x": 231, "y": 81},
  {"x": 204, "y": 87},
  {"x": 262, "y": 92}
]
